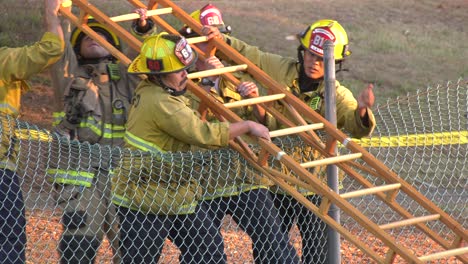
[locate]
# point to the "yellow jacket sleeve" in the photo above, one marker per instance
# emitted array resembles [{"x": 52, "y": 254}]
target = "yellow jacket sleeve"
[
  {"x": 165, "y": 121},
  {"x": 21, "y": 63}
]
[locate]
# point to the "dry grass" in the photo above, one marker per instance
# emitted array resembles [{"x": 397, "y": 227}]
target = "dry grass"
[{"x": 400, "y": 46}]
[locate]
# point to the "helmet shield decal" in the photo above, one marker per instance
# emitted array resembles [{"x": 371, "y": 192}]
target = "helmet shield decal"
[
  {"x": 211, "y": 16},
  {"x": 154, "y": 65},
  {"x": 184, "y": 52},
  {"x": 318, "y": 38}
]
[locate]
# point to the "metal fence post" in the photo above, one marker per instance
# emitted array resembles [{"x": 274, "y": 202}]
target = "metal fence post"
[{"x": 334, "y": 255}]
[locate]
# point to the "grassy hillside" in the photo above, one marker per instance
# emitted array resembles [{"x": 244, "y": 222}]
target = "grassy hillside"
[{"x": 400, "y": 46}]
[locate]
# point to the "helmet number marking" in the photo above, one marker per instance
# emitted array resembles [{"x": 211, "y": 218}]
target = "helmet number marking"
[
  {"x": 318, "y": 41},
  {"x": 213, "y": 20},
  {"x": 184, "y": 52}
]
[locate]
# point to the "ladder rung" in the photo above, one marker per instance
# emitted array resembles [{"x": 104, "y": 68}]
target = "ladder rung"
[
  {"x": 410, "y": 221},
  {"x": 149, "y": 13},
  {"x": 213, "y": 72},
  {"x": 444, "y": 254},
  {"x": 371, "y": 190},
  {"x": 199, "y": 39},
  {"x": 331, "y": 160},
  {"x": 256, "y": 100},
  {"x": 294, "y": 130}
]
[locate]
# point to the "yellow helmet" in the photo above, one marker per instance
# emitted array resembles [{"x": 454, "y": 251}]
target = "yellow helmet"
[
  {"x": 314, "y": 37},
  {"x": 77, "y": 35},
  {"x": 163, "y": 53},
  {"x": 209, "y": 15}
]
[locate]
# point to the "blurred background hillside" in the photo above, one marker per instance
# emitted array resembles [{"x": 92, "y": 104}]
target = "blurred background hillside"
[{"x": 400, "y": 46}]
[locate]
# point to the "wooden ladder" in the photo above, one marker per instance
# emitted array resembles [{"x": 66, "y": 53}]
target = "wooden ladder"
[{"x": 394, "y": 185}]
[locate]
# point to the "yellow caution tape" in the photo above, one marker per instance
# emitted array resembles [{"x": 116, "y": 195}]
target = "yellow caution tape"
[
  {"x": 443, "y": 138},
  {"x": 33, "y": 135}
]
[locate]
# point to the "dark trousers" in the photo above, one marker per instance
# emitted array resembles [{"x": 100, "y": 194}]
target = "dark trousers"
[
  {"x": 255, "y": 213},
  {"x": 142, "y": 237},
  {"x": 313, "y": 230},
  {"x": 87, "y": 218},
  {"x": 12, "y": 219}
]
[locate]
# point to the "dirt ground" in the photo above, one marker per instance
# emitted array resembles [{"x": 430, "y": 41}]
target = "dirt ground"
[{"x": 44, "y": 233}]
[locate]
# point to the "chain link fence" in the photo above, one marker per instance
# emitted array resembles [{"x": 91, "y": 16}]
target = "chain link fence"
[{"x": 423, "y": 137}]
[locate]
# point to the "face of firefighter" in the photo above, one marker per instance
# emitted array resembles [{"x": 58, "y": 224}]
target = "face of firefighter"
[
  {"x": 176, "y": 80},
  {"x": 90, "y": 49},
  {"x": 313, "y": 65}
]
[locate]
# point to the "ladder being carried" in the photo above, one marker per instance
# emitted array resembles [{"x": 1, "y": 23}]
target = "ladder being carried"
[{"x": 387, "y": 193}]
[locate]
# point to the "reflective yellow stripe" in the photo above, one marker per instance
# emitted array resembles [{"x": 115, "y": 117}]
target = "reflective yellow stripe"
[
  {"x": 188, "y": 208},
  {"x": 121, "y": 201},
  {"x": 57, "y": 117},
  {"x": 110, "y": 131},
  {"x": 7, "y": 108},
  {"x": 141, "y": 144},
  {"x": 9, "y": 165},
  {"x": 232, "y": 191},
  {"x": 221, "y": 192},
  {"x": 125, "y": 202},
  {"x": 37, "y": 135},
  {"x": 80, "y": 178}
]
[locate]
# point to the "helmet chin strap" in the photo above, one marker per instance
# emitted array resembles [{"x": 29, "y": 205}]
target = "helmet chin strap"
[
  {"x": 168, "y": 89},
  {"x": 83, "y": 61}
]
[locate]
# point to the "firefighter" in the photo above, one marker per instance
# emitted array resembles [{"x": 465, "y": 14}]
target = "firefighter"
[
  {"x": 244, "y": 196},
  {"x": 154, "y": 203},
  {"x": 18, "y": 65},
  {"x": 94, "y": 92},
  {"x": 304, "y": 78}
]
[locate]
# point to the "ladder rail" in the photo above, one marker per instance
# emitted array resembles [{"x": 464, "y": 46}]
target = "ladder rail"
[
  {"x": 340, "y": 202},
  {"x": 162, "y": 23},
  {"x": 295, "y": 103},
  {"x": 309, "y": 205},
  {"x": 305, "y": 110},
  {"x": 391, "y": 203},
  {"x": 310, "y": 187},
  {"x": 336, "y": 134}
]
